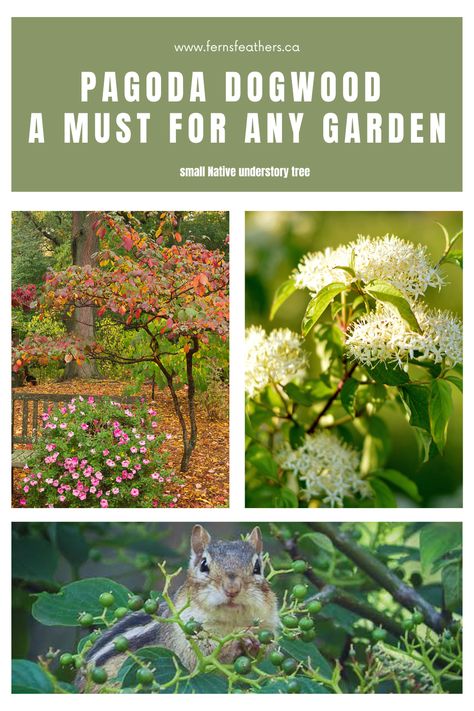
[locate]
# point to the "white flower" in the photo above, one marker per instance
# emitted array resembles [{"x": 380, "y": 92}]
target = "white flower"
[
  {"x": 405, "y": 265},
  {"x": 329, "y": 468},
  {"x": 276, "y": 358},
  {"x": 382, "y": 336}
]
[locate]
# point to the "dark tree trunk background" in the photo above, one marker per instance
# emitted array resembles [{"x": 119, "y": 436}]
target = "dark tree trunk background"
[{"x": 84, "y": 246}]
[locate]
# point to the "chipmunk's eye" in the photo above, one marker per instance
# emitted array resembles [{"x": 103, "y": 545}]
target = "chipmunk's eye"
[
  {"x": 257, "y": 568},
  {"x": 204, "y": 568}
]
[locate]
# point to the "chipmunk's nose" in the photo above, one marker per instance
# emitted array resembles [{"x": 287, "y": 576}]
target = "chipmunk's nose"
[{"x": 232, "y": 585}]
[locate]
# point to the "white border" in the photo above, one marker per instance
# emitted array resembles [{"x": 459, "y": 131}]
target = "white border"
[{"x": 235, "y": 203}]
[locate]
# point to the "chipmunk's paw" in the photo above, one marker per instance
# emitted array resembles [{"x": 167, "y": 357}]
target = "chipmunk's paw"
[{"x": 250, "y": 646}]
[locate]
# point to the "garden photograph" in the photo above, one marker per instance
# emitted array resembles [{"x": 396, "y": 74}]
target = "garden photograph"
[
  {"x": 300, "y": 608},
  {"x": 354, "y": 352},
  {"x": 120, "y": 361}
]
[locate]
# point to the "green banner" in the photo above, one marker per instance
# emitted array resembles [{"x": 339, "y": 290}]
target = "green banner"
[{"x": 254, "y": 104}]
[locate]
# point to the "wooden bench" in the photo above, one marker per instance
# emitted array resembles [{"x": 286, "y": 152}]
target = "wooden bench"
[{"x": 27, "y": 409}]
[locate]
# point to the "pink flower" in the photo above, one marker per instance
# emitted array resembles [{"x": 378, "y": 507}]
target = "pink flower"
[
  {"x": 50, "y": 446},
  {"x": 84, "y": 426},
  {"x": 22, "y": 502},
  {"x": 104, "y": 503},
  {"x": 118, "y": 479},
  {"x": 62, "y": 498},
  {"x": 151, "y": 411},
  {"x": 134, "y": 492},
  {"x": 150, "y": 437},
  {"x": 92, "y": 489},
  {"x": 110, "y": 463},
  {"x": 106, "y": 452},
  {"x": 26, "y": 489},
  {"x": 125, "y": 463},
  {"x": 143, "y": 450},
  {"x": 99, "y": 475},
  {"x": 154, "y": 425},
  {"x": 90, "y": 400},
  {"x": 155, "y": 475},
  {"x": 133, "y": 450},
  {"x": 70, "y": 434},
  {"x": 115, "y": 490},
  {"x": 169, "y": 436},
  {"x": 63, "y": 425}
]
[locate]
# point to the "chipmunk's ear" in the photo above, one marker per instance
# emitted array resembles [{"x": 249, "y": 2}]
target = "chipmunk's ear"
[
  {"x": 255, "y": 539},
  {"x": 200, "y": 539}
]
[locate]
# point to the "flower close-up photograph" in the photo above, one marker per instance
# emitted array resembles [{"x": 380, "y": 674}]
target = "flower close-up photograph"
[{"x": 354, "y": 353}]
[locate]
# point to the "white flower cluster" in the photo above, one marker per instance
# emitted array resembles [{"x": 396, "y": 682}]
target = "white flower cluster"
[
  {"x": 403, "y": 667},
  {"x": 274, "y": 358},
  {"x": 405, "y": 265},
  {"x": 329, "y": 467},
  {"x": 382, "y": 336}
]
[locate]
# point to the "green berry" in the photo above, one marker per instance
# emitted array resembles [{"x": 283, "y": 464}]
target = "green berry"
[
  {"x": 306, "y": 624},
  {"x": 106, "y": 599},
  {"x": 299, "y": 566},
  {"x": 192, "y": 627},
  {"x": 265, "y": 637},
  {"x": 309, "y": 635},
  {"x": 299, "y": 592},
  {"x": 379, "y": 634},
  {"x": 277, "y": 658},
  {"x": 289, "y": 665},
  {"x": 294, "y": 687},
  {"x": 290, "y": 621},
  {"x": 121, "y": 612},
  {"x": 417, "y": 617},
  {"x": 66, "y": 659},
  {"x": 408, "y": 624},
  {"x": 77, "y": 661},
  {"x": 99, "y": 675},
  {"x": 145, "y": 676},
  {"x": 121, "y": 644},
  {"x": 314, "y": 607},
  {"x": 86, "y": 619},
  {"x": 150, "y": 606},
  {"x": 135, "y": 603},
  {"x": 242, "y": 665}
]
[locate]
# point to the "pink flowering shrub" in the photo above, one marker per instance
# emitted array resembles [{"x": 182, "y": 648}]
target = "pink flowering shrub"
[{"x": 97, "y": 453}]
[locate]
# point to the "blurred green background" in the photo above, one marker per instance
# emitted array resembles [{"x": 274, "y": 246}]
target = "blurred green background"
[{"x": 276, "y": 241}]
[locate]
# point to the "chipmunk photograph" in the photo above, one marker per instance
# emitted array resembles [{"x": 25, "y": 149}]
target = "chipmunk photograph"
[{"x": 279, "y": 608}]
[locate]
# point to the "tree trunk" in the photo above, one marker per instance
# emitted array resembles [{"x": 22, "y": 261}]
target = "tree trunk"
[{"x": 84, "y": 245}]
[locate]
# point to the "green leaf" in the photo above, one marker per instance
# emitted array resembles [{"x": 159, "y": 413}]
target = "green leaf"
[
  {"x": 29, "y": 678},
  {"x": 400, "y": 481},
  {"x": 297, "y": 435},
  {"x": 387, "y": 293},
  {"x": 451, "y": 577},
  {"x": 377, "y": 443},
  {"x": 299, "y": 395},
  {"x": 63, "y": 608},
  {"x": 457, "y": 382},
  {"x": 320, "y": 541},
  {"x": 286, "y": 499},
  {"x": 283, "y": 293},
  {"x": 161, "y": 660},
  {"x": 34, "y": 559},
  {"x": 211, "y": 683},
  {"x": 426, "y": 447},
  {"x": 280, "y": 686},
  {"x": 348, "y": 395},
  {"x": 319, "y": 304},
  {"x": 300, "y": 650},
  {"x": 72, "y": 543},
  {"x": 436, "y": 540},
  {"x": 262, "y": 460},
  {"x": 455, "y": 256},
  {"x": 417, "y": 399},
  {"x": 388, "y": 374},
  {"x": 440, "y": 408},
  {"x": 384, "y": 496}
]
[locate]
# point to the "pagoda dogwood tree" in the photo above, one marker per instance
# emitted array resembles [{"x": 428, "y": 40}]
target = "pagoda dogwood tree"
[{"x": 174, "y": 296}]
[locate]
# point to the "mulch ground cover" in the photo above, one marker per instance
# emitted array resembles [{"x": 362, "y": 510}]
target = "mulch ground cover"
[{"x": 205, "y": 485}]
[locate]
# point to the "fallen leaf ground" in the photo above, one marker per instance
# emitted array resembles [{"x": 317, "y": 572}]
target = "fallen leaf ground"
[{"x": 206, "y": 484}]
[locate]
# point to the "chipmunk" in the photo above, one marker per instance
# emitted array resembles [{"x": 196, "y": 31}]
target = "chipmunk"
[{"x": 227, "y": 592}]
